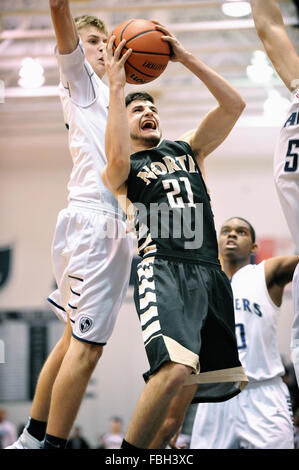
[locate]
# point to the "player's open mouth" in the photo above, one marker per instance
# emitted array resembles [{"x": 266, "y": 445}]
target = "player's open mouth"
[
  {"x": 148, "y": 125},
  {"x": 231, "y": 244}
]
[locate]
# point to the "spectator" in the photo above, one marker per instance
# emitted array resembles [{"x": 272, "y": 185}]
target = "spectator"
[
  {"x": 77, "y": 441},
  {"x": 113, "y": 438},
  {"x": 8, "y": 431}
]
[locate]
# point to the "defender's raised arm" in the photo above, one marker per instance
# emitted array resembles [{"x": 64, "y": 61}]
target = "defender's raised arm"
[
  {"x": 117, "y": 131},
  {"x": 66, "y": 33},
  {"x": 271, "y": 30}
]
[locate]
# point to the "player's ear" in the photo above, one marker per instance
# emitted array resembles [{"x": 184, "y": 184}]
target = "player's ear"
[{"x": 254, "y": 248}]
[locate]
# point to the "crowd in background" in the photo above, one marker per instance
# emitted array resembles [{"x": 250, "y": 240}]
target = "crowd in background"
[{"x": 112, "y": 439}]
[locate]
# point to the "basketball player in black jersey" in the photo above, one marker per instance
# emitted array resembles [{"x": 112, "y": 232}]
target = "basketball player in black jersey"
[{"x": 183, "y": 298}]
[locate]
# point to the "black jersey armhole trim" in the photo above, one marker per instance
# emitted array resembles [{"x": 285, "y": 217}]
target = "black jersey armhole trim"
[{"x": 197, "y": 166}]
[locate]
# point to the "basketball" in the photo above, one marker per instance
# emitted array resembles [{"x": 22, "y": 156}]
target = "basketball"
[{"x": 150, "y": 54}]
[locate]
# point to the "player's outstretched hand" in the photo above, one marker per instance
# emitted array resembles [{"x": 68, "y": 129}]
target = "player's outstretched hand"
[
  {"x": 115, "y": 62},
  {"x": 178, "y": 52}
]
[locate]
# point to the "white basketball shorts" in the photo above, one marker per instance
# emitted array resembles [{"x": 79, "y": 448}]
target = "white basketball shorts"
[
  {"x": 91, "y": 256},
  {"x": 260, "y": 417},
  {"x": 295, "y": 326}
]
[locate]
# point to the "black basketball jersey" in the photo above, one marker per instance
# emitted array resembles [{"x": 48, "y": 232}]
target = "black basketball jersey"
[{"x": 174, "y": 216}]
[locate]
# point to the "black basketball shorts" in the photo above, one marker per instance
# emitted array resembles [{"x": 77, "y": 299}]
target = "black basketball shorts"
[{"x": 187, "y": 316}]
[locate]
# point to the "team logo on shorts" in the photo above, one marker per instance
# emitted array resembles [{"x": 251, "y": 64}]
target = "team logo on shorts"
[{"x": 85, "y": 324}]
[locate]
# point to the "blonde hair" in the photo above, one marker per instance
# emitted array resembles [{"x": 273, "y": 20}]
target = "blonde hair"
[{"x": 87, "y": 20}]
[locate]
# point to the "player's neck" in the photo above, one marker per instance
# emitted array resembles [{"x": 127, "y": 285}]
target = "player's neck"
[
  {"x": 230, "y": 267},
  {"x": 100, "y": 75},
  {"x": 138, "y": 146}
]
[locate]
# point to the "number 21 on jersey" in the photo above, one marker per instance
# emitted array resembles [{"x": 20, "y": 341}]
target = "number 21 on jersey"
[{"x": 174, "y": 192}]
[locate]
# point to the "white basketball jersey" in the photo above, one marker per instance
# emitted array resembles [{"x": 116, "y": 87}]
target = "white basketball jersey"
[
  {"x": 286, "y": 169},
  {"x": 85, "y": 101},
  {"x": 256, "y": 318}
]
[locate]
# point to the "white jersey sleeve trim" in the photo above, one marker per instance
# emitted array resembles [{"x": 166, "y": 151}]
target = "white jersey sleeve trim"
[{"x": 77, "y": 77}]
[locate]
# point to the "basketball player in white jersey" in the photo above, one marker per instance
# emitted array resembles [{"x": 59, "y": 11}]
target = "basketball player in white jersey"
[
  {"x": 91, "y": 251},
  {"x": 271, "y": 30},
  {"x": 261, "y": 416}
]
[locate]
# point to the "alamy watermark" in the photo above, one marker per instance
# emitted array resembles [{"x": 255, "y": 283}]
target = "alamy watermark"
[
  {"x": 160, "y": 221},
  {"x": 166, "y": 222}
]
